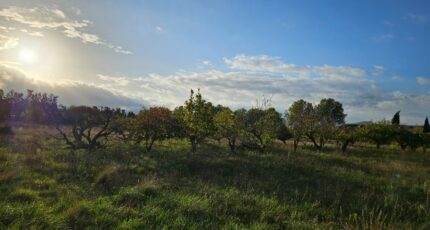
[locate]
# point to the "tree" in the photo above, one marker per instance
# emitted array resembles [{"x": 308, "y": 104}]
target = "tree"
[
  {"x": 402, "y": 135},
  {"x": 88, "y": 125},
  {"x": 198, "y": 118},
  {"x": 299, "y": 116},
  {"x": 345, "y": 135},
  {"x": 284, "y": 133},
  {"x": 426, "y": 128},
  {"x": 261, "y": 128},
  {"x": 328, "y": 114},
  {"x": 425, "y": 138},
  {"x": 379, "y": 133},
  {"x": 396, "y": 118},
  {"x": 17, "y": 105},
  {"x": 4, "y": 107},
  {"x": 40, "y": 108},
  {"x": 154, "y": 124},
  {"x": 229, "y": 125},
  {"x": 124, "y": 127}
]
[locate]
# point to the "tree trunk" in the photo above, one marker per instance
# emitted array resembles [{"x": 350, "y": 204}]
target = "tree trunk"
[
  {"x": 232, "y": 145},
  {"x": 321, "y": 143},
  {"x": 318, "y": 147},
  {"x": 149, "y": 145},
  {"x": 193, "y": 144},
  {"x": 345, "y": 145},
  {"x": 295, "y": 144},
  {"x": 378, "y": 145}
]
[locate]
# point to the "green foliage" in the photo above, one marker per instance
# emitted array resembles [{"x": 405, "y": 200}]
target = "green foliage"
[
  {"x": 198, "y": 118},
  {"x": 318, "y": 123},
  {"x": 229, "y": 125},
  {"x": 299, "y": 116},
  {"x": 284, "y": 133},
  {"x": 407, "y": 138},
  {"x": 380, "y": 133},
  {"x": 125, "y": 127},
  {"x": 154, "y": 124},
  {"x": 261, "y": 128},
  {"x": 328, "y": 115},
  {"x": 345, "y": 135}
]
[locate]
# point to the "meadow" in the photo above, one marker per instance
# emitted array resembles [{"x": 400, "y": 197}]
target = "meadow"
[{"x": 46, "y": 185}]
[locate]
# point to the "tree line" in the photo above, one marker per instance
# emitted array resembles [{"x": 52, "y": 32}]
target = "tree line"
[{"x": 197, "y": 120}]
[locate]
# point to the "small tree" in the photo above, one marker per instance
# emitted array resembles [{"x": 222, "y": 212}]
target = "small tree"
[
  {"x": 198, "y": 118},
  {"x": 299, "y": 116},
  {"x": 124, "y": 127},
  {"x": 154, "y": 124},
  {"x": 284, "y": 133},
  {"x": 229, "y": 125},
  {"x": 4, "y": 108},
  {"x": 402, "y": 136},
  {"x": 426, "y": 128},
  {"x": 396, "y": 118},
  {"x": 379, "y": 133},
  {"x": 346, "y": 136},
  {"x": 261, "y": 128},
  {"x": 89, "y": 125},
  {"x": 328, "y": 114}
]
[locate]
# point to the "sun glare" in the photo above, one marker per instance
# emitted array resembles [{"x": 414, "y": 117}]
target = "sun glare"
[{"x": 27, "y": 56}]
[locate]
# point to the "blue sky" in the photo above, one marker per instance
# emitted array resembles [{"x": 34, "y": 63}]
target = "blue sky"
[{"x": 373, "y": 56}]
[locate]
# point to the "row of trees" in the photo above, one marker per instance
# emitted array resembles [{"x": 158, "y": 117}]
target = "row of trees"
[
  {"x": 197, "y": 120},
  {"x": 32, "y": 107}
]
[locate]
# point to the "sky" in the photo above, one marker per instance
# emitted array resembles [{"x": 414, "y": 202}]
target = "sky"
[{"x": 372, "y": 56}]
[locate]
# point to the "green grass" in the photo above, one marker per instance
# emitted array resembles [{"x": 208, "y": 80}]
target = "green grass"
[{"x": 43, "y": 185}]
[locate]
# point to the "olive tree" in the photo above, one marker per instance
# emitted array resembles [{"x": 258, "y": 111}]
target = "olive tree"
[{"x": 83, "y": 126}]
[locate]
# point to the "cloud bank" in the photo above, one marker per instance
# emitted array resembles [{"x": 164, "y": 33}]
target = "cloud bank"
[
  {"x": 70, "y": 93},
  {"x": 251, "y": 77}
]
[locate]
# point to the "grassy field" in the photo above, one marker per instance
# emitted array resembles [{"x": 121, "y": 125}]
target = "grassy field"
[{"x": 44, "y": 185}]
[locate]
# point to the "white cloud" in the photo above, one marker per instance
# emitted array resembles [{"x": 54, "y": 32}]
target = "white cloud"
[
  {"x": 158, "y": 28},
  {"x": 239, "y": 89},
  {"x": 122, "y": 81},
  {"x": 382, "y": 37},
  {"x": 268, "y": 64},
  {"x": 360, "y": 96},
  {"x": 396, "y": 78},
  {"x": 378, "y": 70},
  {"x": 423, "y": 81},
  {"x": 7, "y": 42},
  {"x": 55, "y": 19},
  {"x": 245, "y": 83},
  {"x": 415, "y": 18}
]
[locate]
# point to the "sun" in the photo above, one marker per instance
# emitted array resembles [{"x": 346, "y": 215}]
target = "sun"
[{"x": 27, "y": 56}]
